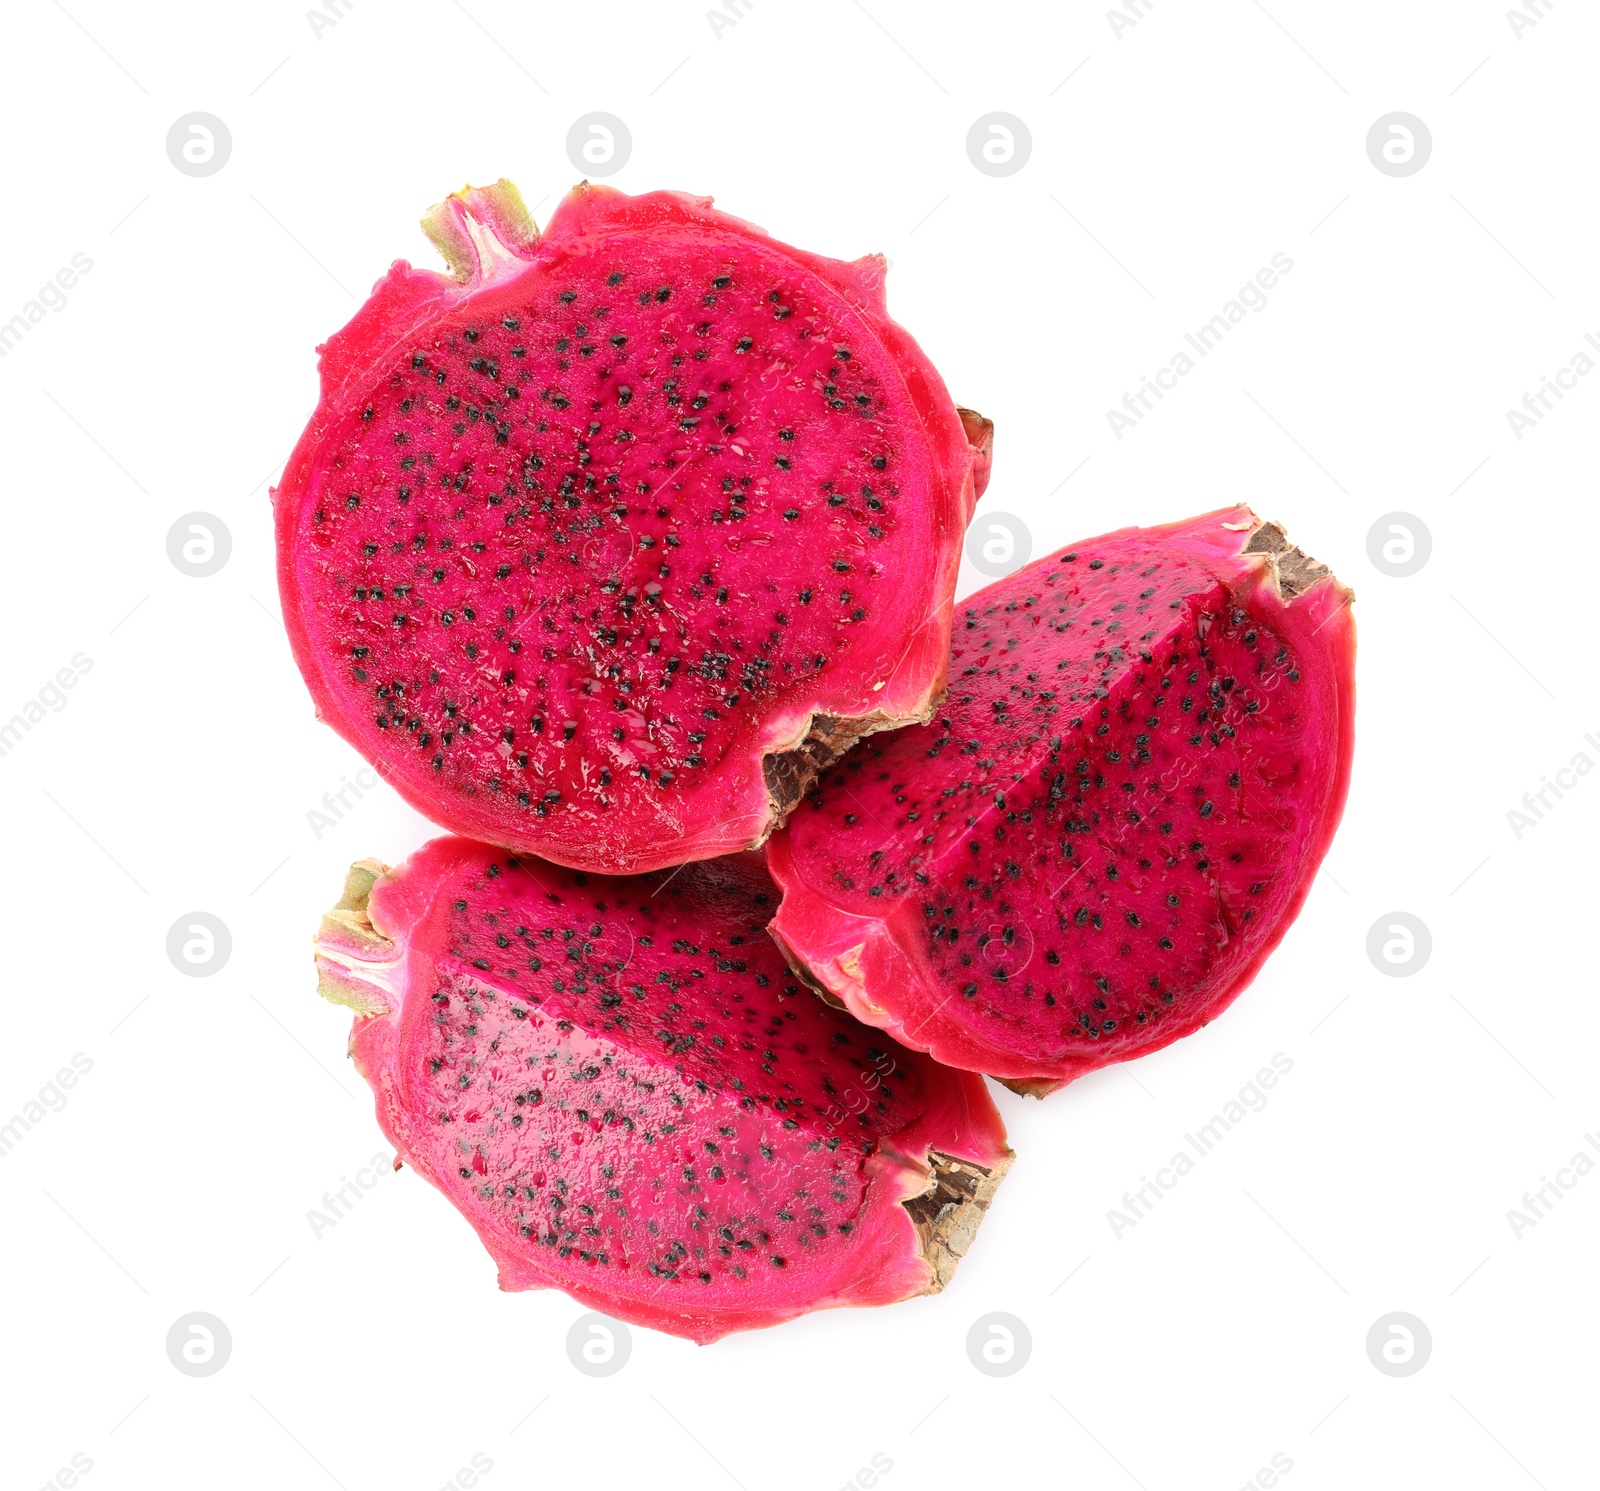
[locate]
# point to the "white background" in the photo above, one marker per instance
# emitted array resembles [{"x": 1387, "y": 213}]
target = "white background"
[{"x": 1174, "y": 160}]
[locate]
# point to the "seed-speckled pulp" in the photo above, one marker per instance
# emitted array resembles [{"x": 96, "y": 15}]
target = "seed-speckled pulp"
[
  {"x": 575, "y": 550},
  {"x": 1107, "y": 825}
]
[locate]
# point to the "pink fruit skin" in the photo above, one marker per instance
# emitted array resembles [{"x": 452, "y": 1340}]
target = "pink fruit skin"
[
  {"x": 623, "y": 616},
  {"x": 503, "y": 1133},
  {"x": 874, "y": 951}
]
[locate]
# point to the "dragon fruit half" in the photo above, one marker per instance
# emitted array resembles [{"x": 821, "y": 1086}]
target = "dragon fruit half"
[
  {"x": 623, "y": 1088},
  {"x": 601, "y": 548},
  {"x": 1113, "y": 819}
]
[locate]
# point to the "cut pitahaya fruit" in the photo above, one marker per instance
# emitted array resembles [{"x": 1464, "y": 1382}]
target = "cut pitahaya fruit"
[
  {"x": 625, "y": 1090},
  {"x": 1112, "y": 821},
  {"x": 601, "y": 548}
]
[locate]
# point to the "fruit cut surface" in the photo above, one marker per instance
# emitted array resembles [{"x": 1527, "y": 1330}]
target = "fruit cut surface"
[
  {"x": 622, "y": 1087},
  {"x": 599, "y": 548},
  {"x": 1110, "y": 822}
]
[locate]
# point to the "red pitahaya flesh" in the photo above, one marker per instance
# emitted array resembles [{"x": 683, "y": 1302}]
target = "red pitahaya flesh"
[
  {"x": 622, "y": 1086},
  {"x": 602, "y": 547},
  {"x": 1110, "y": 823}
]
